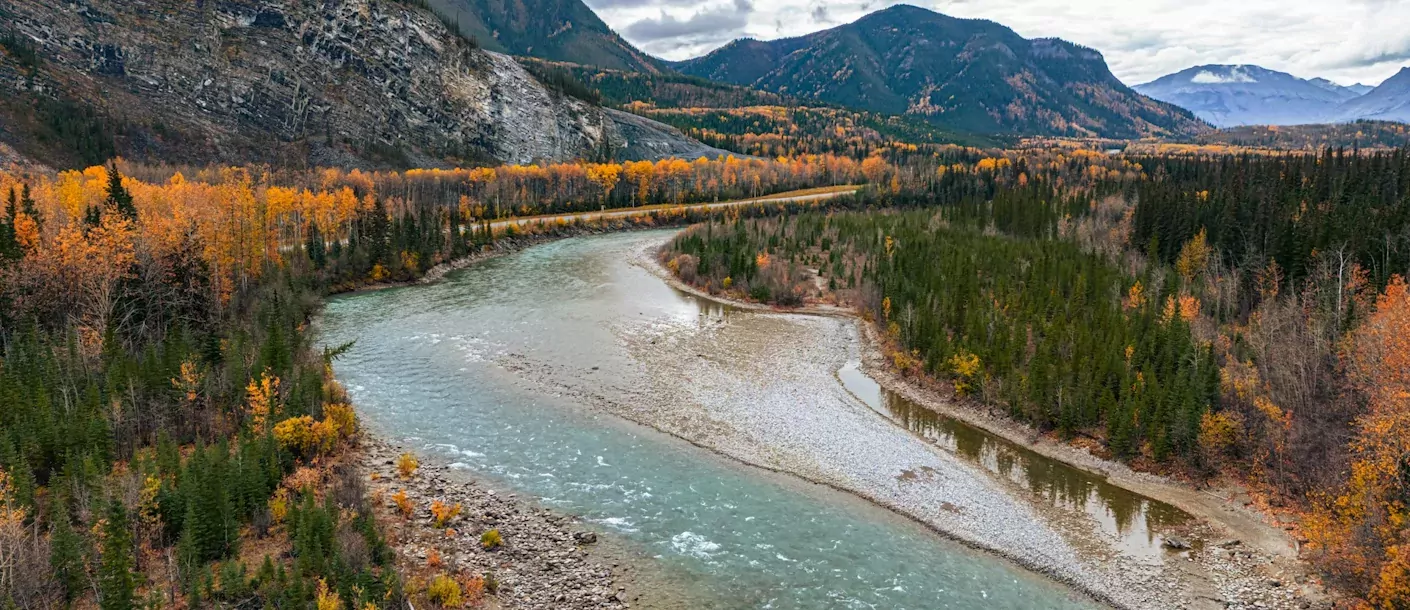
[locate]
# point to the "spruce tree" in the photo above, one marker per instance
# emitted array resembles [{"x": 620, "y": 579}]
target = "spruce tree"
[
  {"x": 9, "y": 247},
  {"x": 118, "y": 197},
  {"x": 315, "y": 247},
  {"x": 27, "y": 205},
  {"x": 115, "y": 579},
  {"x": 65, "y": 552}
]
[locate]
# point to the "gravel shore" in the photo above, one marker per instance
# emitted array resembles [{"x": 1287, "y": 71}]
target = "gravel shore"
[{"x": 547, "y": 559}]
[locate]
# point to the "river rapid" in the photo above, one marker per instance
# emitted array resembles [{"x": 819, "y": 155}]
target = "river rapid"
[{"x": 734, "y": 446}]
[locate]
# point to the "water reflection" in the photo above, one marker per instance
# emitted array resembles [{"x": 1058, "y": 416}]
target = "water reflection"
[{"x": 1134, "y": 520}]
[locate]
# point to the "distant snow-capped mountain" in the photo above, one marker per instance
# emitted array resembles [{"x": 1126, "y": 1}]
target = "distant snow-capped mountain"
[
  {"x": 1388, "y": 102},
  {"x": 1249, "y": 95},
  {"x": 1347, "y": 91}
]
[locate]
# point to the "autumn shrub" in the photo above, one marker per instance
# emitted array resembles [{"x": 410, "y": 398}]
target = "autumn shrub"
[
  {"x": 323, "y": 437},
  {"x": 433, "y": 559},
  {"x": 491, "y": 540},
  {"x": 279, "y": 505},
  {"x": 327, "y": 599},
  {"x": 444, "y": 592},
  {"x": 342, "y": 417},
  {"x": 443, "y": 512},
  {"x": 966, "y": 367},
  {"x": 474, "y": 589},
  {"x": 403, "y": 503},
  {"x": 261, "y": 400},
  {"x": 1219, "y": 434},
  {"x": 295, "y": 434},
  {"x": 407, "y": 465}
]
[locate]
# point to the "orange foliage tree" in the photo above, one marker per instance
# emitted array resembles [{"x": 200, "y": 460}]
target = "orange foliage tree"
[{"x": 1363, "y": 534}]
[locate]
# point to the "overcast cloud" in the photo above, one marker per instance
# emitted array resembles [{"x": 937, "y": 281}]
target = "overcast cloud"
[{"x": 1346, "y": 41}]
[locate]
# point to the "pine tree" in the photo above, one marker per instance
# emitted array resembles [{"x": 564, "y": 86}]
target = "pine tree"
[
  {"x": 317, "y": 253},
  {"x": 65, "y": 552},
  {"x": 116, "y": 583},
  {"x": 118, "y": 197},
  {"x": 9, "y": 246},
  {"x": 27, "y": 205}
]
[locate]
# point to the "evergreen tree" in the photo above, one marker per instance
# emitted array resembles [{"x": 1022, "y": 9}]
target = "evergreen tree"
[
  {"x": 315, "y": 246},
  {"x": 118, "y": 197},
  {"x": 27, "y": 205},
  {"x": 116, "y": 582},
  {"x": 9, "y": 246},
  {"x": 65, "y": 552}
]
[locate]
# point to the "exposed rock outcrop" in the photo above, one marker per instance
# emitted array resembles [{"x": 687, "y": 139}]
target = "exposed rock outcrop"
[
  {"x": 330, "y": 82},
  {"x": 636, "y": 138}
]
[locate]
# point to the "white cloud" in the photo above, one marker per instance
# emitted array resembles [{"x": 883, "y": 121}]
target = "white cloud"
[
  {"x": 1235, "y": 75},
  {"x": 1346, "y": 41}
]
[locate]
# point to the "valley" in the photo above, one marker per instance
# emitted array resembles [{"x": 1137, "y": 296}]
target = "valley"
[{"x": 447, "y": 304}]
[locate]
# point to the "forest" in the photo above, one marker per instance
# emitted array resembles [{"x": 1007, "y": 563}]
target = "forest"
[{"x": 1243, "y": 315}]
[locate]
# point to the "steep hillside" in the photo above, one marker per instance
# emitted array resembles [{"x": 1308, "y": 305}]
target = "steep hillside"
[
  {"x": 563, "y": 30},
  {"x": 1249, "y": 95},
  {"x": 342, "y": 82},
  {"x": 1388, "y": 102},
  {"x": 667, "y": 89},
  {"x": 969, "y": 75},
  {"x": 751, "y": 121}
]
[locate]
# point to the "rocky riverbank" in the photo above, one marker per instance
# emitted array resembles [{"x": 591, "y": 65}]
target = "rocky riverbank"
[{"x": 545, "y": 560}]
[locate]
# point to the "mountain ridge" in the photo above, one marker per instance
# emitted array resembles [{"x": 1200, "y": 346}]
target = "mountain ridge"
[
  {"x": 1229, "y": 95},
  {"x": 560, "y": 30},
  {"x": 969, "y": 74},
  {"x": 1389, "y": 101}
]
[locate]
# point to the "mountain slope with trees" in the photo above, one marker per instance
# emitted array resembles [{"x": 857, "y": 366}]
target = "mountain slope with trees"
[
  {"x": 969, "y": 75},
  {"x": 562, "y": 30}
]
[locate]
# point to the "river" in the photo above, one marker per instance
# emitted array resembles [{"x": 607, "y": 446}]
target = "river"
[{"x": 531, "y": 369}]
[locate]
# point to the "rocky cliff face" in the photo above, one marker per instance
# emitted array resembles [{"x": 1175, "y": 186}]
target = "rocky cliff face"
[{"x": 293, "y": 82}]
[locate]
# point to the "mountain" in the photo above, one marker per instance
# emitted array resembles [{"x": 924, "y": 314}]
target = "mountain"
[
  {"x": 364, "y": 83},
  {"x": 1228, "y": 96},
  {"x": 562, "y": 30},
  {"x": 1345, "y": 91},
  {"x": 969, "y": 75},
  {"x": 1248, "y": 95},
  {"x": 1388, "y": 102}
]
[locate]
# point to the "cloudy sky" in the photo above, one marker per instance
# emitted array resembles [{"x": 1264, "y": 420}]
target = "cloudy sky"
[{"x": 1347, "y": 41}]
